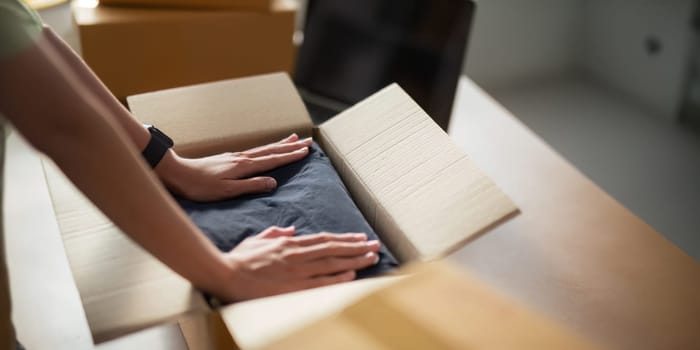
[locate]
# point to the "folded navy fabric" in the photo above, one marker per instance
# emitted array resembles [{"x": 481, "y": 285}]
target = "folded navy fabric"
[{"x": 309, "y": 195}]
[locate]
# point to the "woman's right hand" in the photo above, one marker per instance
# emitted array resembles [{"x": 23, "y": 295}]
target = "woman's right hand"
[{"x": 275, "y": 262}]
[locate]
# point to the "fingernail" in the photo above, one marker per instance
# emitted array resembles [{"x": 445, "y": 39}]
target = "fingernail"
[
  {"x": 374, "y": 255},
  {"x": 270, "y": 183},
  {"x": 308, "y": 139},
  {"x": 360, "y": 236},
  {"x": 372, "y": 243}
]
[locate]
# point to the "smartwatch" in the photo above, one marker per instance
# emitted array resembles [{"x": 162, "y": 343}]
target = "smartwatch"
[{"x": 157, "y": 146}]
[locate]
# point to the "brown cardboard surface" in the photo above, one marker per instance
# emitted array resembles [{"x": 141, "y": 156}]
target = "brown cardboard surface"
[
  {"x": 436, "y": 307},
  {"x": 413, "y": 184},
  {"x": 259, "y": 5},
  {"x": 136, "y": 50},
  {"x": 259, "y": 323},
  {"x": 227, "y": 115},
  {"x": 122, "y": 287},
  {"x": 206, "y": 332}
]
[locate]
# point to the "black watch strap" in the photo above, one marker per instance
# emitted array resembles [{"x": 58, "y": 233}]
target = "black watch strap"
[{"x": 157, "y": 146}]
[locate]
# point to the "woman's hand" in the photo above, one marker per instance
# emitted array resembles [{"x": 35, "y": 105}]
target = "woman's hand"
[
  {"x": 229, "y": 175},
  {"x": 275, "y": 262}
]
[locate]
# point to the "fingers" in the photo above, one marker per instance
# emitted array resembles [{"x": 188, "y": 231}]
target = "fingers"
[
  {"x": 332, "y": 249},
  {"x": 267, "y": 157},
  {"x": 315, "y": 239},
  {"x": 275, "y": 231},
  {"x": 291, "y": 138},
  {"x": 269, "y": 162},
  {"x": 309, "y": 240},
  {"x": 321, "y": 281},
  {"x": 280, "y": 262},
  {"x": 278, "y": 148},
  {"x": 252, "y": 185},
  {"x": 334, "y": 265}
]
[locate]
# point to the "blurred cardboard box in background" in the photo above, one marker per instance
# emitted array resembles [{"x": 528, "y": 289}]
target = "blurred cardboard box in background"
[
  {"x": 135, "y": 50},
  {"x": 259, "y": 5}
]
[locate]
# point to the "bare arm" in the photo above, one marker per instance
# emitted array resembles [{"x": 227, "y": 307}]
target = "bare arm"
[
  {"x": 62, "y": 117},
  {"x": 204, "y": 179}
]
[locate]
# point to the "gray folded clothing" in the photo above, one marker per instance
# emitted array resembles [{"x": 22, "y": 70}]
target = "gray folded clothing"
[{"x": 309, "y": 195}]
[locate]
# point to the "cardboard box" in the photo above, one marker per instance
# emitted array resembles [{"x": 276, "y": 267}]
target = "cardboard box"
[
  {"x": 256, "y": 5},
  {"x": 136, "y": 50},
  {"x": 418, "y": 190}
]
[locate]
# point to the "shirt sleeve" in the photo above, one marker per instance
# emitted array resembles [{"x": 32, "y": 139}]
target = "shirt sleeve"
[{"x": 19, "y": 27}]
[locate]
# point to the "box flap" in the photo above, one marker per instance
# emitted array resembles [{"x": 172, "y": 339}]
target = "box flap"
[
  {"x": 258, "y": 323},
  {"x": 437, "y": 307},
  {"x": 122, "y": 287},
  {"x": 46, "y": 306},
  {"x": 230, "y": 115},
  {"x": 420, "y": 192}
]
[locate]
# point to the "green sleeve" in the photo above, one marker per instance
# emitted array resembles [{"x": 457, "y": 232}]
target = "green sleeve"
[{"x": 19, "y": 27}]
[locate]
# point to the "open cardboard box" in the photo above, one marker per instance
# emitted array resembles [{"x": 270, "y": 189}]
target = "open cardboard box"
[{"x": 418, "y": 190}]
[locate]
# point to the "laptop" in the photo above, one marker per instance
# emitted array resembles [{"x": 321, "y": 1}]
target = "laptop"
[{"x": 351, "y": 49}]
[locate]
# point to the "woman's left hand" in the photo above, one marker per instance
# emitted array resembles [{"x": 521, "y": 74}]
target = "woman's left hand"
[{"x": 230, "y": 174}]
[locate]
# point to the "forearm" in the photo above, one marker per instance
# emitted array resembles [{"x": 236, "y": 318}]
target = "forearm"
[
  {"x": 170, "y": 167},
  {"x": 74, "y": 127},
  {"x": 128, "y": 193},
  {"x": 138, "y": 135}
]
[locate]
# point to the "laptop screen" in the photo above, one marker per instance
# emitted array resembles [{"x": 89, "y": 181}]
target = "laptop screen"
[{"x": 352, "y": 48}]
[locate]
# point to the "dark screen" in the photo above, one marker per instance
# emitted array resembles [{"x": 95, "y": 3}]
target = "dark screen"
[{"x": 352, "y": 48}]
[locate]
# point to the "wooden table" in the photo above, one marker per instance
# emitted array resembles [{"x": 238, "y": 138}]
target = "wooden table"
[{"x": 574, "y": 253}]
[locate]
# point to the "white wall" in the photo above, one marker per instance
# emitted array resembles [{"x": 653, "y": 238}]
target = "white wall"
[
  {"x": 614, "y": 53},
  {"x": 514, "y": 40}
]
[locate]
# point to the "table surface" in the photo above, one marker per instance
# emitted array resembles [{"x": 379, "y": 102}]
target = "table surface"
[{"x": 574, "y": 253}]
